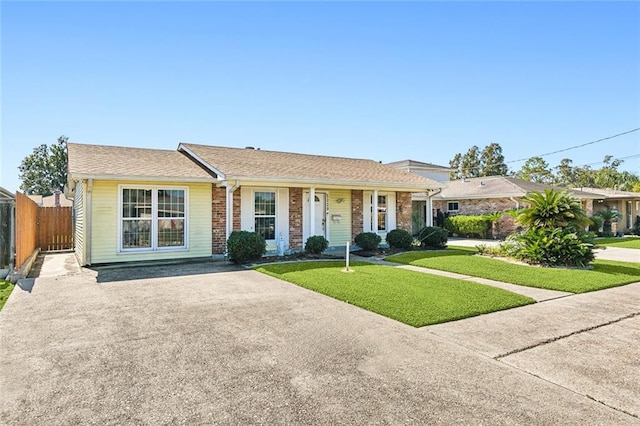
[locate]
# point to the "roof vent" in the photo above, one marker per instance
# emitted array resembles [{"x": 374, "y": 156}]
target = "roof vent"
[{"x": 249, "y": 147}]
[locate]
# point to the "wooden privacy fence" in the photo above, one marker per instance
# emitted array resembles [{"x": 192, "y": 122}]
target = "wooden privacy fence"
[
  {"x": 55, "y": 228},
  {"x": 26, "y": 228},
  {"x": 49, "y": 228}
]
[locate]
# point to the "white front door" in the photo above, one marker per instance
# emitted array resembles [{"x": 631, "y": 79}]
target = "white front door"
[
  {"x": 321, "y": 214},
  {"x": 320, "y": 226}
]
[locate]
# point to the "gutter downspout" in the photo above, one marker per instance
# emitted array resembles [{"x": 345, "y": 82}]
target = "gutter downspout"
[
  {"x": 515, "y": 201},
  {"x": 229, "y": 205},
  {"x": 428, "y": 214},
  {"x": 88, "y": 233}
]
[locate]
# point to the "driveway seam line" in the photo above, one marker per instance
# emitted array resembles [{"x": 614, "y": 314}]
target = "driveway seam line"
[{"x": 564, "y": 336}]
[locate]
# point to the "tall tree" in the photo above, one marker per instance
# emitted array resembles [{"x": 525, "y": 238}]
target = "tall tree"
[
  {"x": 45, "y": 169},
  {"x": 492, "y": 161},
  {"x": 535, "y": 169},
  {"x": 470, "y": 163},
  {"x": 455, "y": 165},
  {"x": 565, "y": 173}
]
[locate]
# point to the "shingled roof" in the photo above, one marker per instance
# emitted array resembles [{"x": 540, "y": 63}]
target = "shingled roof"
[
  {"x": 116, "y": 162},
  {"x": 261, "y": 165},
  {"x": 499, "y": 187}
]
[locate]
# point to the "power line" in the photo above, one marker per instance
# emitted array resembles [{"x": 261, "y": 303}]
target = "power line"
[
  {"x": 613, "y": 159},
  {"x": 574, "y": 147}
]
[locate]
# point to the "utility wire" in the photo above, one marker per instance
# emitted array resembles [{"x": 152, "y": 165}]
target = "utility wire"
[
  {"x": 613, "y": 159},
  {"x": 574, "y": 147}
]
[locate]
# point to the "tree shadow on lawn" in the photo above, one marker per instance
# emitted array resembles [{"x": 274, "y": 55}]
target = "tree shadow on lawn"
[{"x": 616, "y": 269}]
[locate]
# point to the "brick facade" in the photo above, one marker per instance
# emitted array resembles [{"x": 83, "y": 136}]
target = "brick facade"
[
  {"x": 356, "y": 213},
  {"x": 403, "y": 211},
  {"x": 218, "y": 219},
  {"x": 506, "y": 225},
  {"x": 295, "y": 218}
]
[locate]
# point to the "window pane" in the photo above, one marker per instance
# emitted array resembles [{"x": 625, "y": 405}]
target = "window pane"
[
  {"x": 382, "y": 212},
  {"x": 266, "y": 226},
  {"x": 265, "y": 203},
  {"x": 170, "y": 203},
  {"x": 136, "y": 203},
  {"x": 170, "y": 232},
  {"x": 136, "y": 233}
]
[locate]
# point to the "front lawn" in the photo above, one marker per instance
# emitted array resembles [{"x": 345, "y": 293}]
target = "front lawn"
[
  {"x": 623, "y": 242},
  {"x": 410, "y": 297},
  {"x": 604, "y": 274},
  {"x": 5, "y": 291}
]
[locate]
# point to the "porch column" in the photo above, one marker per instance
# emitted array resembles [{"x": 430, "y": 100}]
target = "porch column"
[
  {"x": 374, "y": 211},
  {"x": 312, "y": 212},
  {"x": 229, "y": 205},
  {"x": 428, "y": 211}
]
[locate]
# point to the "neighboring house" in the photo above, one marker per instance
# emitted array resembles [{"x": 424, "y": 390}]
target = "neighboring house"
[
  {"x": 627, "y": 204},
  {"x": 476, "y": 196},
  {"x": 142, "y": 204},
  {"x": 55, "y": 200},
  {"x": 421, "y": 202}
]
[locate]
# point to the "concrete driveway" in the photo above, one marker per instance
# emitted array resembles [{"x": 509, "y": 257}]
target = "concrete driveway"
[{"x": 240, "y": 347}]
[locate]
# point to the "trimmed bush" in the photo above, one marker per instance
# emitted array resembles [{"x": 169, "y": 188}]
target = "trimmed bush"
[
  {"x": 555, "y": 247},
  {"x": 244, "y": 246},
  {"x": 433, "y": 236},
  {"x": 368, "y": 241},
  {"x": 399, "y": 238},
  {"x": 468, "y": 226},
  {"x": 316, "y": 244}
]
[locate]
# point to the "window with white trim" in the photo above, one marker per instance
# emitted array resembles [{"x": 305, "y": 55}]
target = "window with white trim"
[
  {"x": 264, "y": 214},
  {"x": 152, "y": 218},
  {"x": 453, "y": 206}
]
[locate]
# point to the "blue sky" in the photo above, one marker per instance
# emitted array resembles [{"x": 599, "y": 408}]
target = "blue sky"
[{"x": 380, "y": 80}]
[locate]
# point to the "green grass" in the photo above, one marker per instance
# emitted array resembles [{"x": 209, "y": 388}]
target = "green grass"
[
  {"x": 410, "y": 297},
  {"x": 605, "y": 274},
  {"x": 5, "y": 290},
  {"x": 626, "y": 242}
]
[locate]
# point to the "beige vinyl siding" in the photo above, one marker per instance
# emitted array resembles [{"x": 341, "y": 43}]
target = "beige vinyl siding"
[
  {"x": 78, "y": 222},
  {"x": 339, "y": 232},
  {"x": 105, "y": 217}
]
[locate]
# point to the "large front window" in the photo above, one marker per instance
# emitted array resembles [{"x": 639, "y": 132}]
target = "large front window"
[
  {"x": 153, "y": 218},
  {"x": 265, "y": 214}
]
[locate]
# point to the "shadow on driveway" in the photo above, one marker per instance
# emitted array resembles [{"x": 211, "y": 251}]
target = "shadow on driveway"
[{"x": 146, "y": 270}]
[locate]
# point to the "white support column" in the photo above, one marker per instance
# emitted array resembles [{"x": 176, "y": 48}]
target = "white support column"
[
  {"x": 428, "y": 211},
  {"x": 374, "y": 211},
  {"x": 312, "y": 212},
  {"x": 229, "y": 195}
]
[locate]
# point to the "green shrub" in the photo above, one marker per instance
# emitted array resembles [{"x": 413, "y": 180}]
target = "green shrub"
[
  {"x": 368, "y": 240},
  {"x": 399, "y": 238},
  {"x": 244, "y": 246},
  {"x": 596, "y": 223},
  {"x": 316, "y": 244},
  {"x": 468, "y": 226},
  {"x": 636, "y": 227},
  {"x": 555, "y": 247},
  {"x": 433, "y": 236}
]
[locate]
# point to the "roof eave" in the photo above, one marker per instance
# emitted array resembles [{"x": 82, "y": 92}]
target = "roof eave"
[
  {"x": 195, "y": 157},
  {"x": 331, "y": 182},
  {"x": 182, "y": 179}
]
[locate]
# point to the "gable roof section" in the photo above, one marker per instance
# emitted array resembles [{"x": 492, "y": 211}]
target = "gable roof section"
[
  {"x": 123, "y": 163},
  {"x": 499, "y": 187},
  {"x": 273, "y": 166}
]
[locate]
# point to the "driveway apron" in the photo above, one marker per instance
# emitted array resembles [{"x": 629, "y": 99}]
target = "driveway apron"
[{"x": 241, "y": 347}]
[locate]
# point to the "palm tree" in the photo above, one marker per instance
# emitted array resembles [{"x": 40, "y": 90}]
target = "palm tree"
[
  {"x": 494, "y": 218},
  {"x": 552, "y": 209},
  {"x": 607, "y": 216}
]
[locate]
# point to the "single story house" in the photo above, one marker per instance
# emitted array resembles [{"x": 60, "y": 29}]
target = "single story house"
[
  {"x": 482, "y": 195},
  {"x": 136, "y": 204},
  {"x": 626, "y": 203}
]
